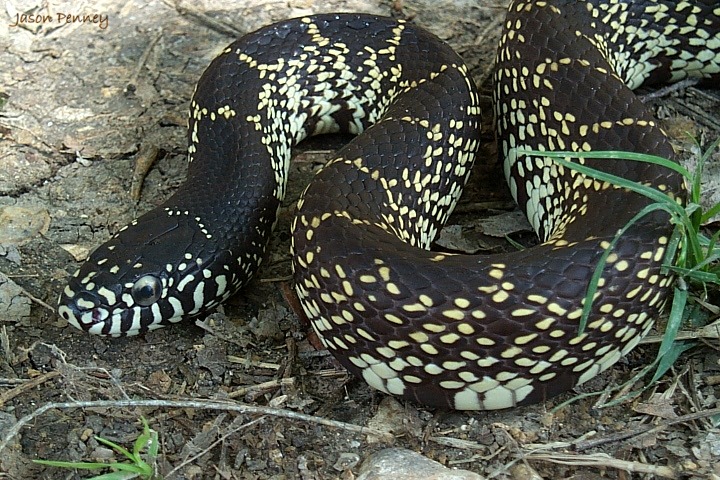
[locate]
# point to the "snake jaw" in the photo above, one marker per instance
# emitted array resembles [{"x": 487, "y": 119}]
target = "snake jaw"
[
  {"x": 81, "y": 318},
  {"x": 87, "y": 311}
]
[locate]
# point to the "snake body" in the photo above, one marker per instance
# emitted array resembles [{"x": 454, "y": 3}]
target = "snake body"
[{"x": 465, "y": 332}]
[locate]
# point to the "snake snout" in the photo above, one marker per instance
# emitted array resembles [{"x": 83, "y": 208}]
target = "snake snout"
[
  {"x": 86, "y": 311},
  {"x": 83, "y": 311}
]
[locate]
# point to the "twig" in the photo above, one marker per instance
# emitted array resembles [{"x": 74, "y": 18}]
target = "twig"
[
  {"x": 675, "y": 87},
  {"x": 604, "y": 460},
  {"x": 252, "y": 363},
  {"x": 586, "y": 444},
  {"x": 711, "y": 331},
  {"x": 202, "y": 18},
  {"x": 143, "y": 162},
  {"x": 12, "y": 381},
  {"x": 262, "y": 388},
  {"x": 132, "y": 81},
  {"x": 285, "y": 278},
  {"x": 32, "y": 383},
  {"x": 35, "y": 299},
  {"x": 457, "y": 443},
  {"x": 201, "y": 405}
]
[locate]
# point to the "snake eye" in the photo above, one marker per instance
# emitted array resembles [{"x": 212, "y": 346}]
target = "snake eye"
[{"x": 146, "y": 290}]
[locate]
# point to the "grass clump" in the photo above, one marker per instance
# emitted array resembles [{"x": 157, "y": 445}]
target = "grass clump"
[
  {"x": 691, "y": 255},
  {"x": 138, "y": 464}
]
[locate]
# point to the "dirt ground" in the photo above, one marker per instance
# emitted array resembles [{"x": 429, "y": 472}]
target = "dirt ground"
[{"x": 244, "y": 394}]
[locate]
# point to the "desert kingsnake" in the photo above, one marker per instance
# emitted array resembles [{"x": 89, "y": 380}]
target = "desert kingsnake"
[{"x": 478, "y": 332}]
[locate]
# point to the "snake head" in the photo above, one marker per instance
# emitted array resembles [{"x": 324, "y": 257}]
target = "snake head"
[{"x": 144, "y": 278}]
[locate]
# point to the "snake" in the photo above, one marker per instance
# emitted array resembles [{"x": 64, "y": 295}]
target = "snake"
[{"x": 446, "y": 330}]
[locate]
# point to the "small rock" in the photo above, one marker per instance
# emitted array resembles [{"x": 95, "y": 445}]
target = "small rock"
[
  {"x": 402, "y": 464},
  {"x": 346, "y": 461},
  {"x": 267, "y": 324},
  {"x": 14, "y": 305},
  {"x": 394, "y": 418},
  {"x": 19, "y": 225}
]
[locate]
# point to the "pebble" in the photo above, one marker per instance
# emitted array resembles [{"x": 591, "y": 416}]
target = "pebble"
[
  {"x": 19, "y": 225},
  {"x": 402, "y": 464}
]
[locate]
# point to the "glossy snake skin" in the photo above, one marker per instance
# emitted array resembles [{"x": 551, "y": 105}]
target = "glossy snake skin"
[{"x": 464, "y": 332}]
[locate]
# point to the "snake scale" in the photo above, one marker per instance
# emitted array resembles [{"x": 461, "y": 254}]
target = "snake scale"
[{"x": 445, "y": 330}]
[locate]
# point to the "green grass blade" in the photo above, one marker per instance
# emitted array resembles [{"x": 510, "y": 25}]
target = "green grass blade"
[
  {"x": 649, "y": 192},
  {"x": 79, "y": 465},
  {"x": 689, "y": 253},
  {"x": 675, "y": 319},
  {"x": 600, "y": 267},
  {"x": 115, "y": 476},
  {"x": 669, "y": 359},
  {"x": 613, "y": 155},
  {"x": 144, "y": 439},
  {"x": 517, "y": 245},
  {"x": 116, "y": 447},
  {"x": 696, "y": 275},
  {"x": 710, "y": 213},
  {"x": 671, "y": 252},
  {"x": 128, "y": 467}
]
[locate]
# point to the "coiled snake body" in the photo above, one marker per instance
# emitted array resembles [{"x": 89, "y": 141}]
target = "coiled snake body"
[{"x": 465, "y": 332}]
